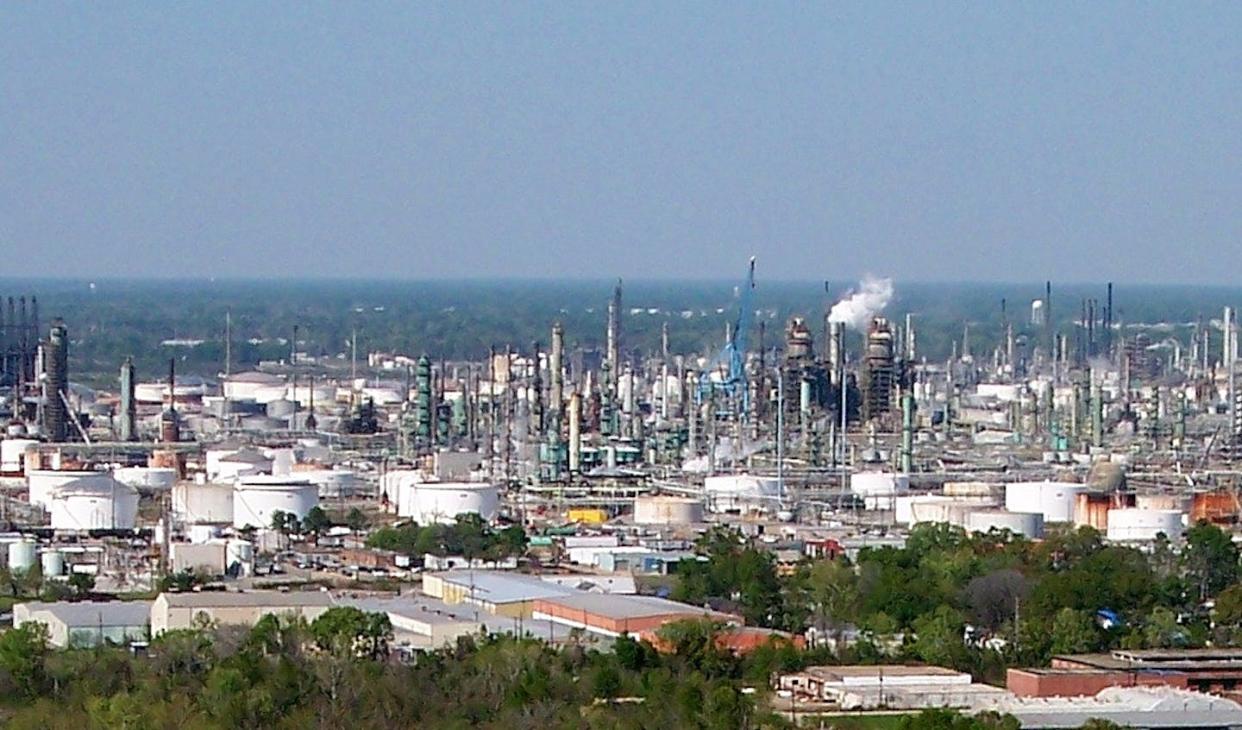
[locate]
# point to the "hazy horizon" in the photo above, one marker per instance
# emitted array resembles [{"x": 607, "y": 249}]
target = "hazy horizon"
[{"x": 935, "y": 142}]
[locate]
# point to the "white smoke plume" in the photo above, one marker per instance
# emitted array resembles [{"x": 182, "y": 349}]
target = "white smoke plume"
[{"x": 859, "y": 306}]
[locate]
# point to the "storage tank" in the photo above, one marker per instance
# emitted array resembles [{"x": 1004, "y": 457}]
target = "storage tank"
[
  {"x": 391, "y": 481},
  {"x": 43, "y": 482},
  {"x": 239, "y": 553},
  {"x": 207, "y": 504},
  {"x": 256, "y": 498},
  {"x": 147, "y": 478},
  {"x": 53, "y": 563},
  {"x": 94, "y": 504},
  {"x": 667, "y": 510},
  {"x": 1026, "y": 524},
  {"x": 1054, "y": 500},
  {"x": 13, "y": 453},
  {"x": 22, "y": 555},
  {"x": 440, "y": 502},
  {"x": 920, "y": 508},
  {"x": 879, "y": 489},
  {"x": 1216, "y": 507},
  {"x": 332, "y": 483},
  {"x": 738, "y": 491},
  {"x": 1174, "y": 502},
  {"x": 1143, "y": 525}
]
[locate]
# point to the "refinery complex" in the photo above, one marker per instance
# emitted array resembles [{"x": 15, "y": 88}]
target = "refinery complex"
[{"x": 262, "y": 485}]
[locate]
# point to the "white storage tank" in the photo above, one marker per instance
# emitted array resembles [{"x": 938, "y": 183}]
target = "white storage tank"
[
  {"x": 332, "y": 483},
  {"x": 22, "y": 555},
  {"x": 1026, "y": 524},
  {"x": 919, "y": 508},
  {"x": 740, "y": 491},
  {"x": 879, "y": 489},
  {"x": 239, "y": 553},
  {"x": 440, "y": 502},
  {"x": 1143, "y": 525},
  {"x": 43, "y": 482},
  {"x": 13, "y": 454},
  {"x": 206, "y": 504},
  {"x": 257, "y": 498},
  {"x": 53, "y": 563},
  {"x": 667, "y": 510},
  {"x": 94, "y": 504},
  {"x": 1053, "y": 500},
  {"x": 148, "y": 478},
  {"x": 199, "y": 533},
  {"x": 392, "y": 481}
]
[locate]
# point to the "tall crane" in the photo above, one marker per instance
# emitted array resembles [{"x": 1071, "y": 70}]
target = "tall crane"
[{"x": 726, "y": 373}]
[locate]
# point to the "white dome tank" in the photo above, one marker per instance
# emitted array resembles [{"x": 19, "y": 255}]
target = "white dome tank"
[
  {"x": 879, "y": 489},
  {"x": 94, "y": 504},
  {"x": 13, "y": 454},
  {"x": 150, "y": 478},
  {"x": 22, "y": 555},
  {"x": 440, "y": 502},
  {"x": 257, "y": 498},
  {"x": 666, "y": 510},
  {"x": 1053, "y": 500},
  {"x": 43, "y": 482},
  {"x": 1026, "y": 524},
  {"x": 205, "y": 504},
  {"x": 1143, "y": 525},
  {"x": 737, "y": 491}
]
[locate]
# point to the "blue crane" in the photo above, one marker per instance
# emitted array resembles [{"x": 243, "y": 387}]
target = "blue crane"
[{"x": 726, "y": 373}]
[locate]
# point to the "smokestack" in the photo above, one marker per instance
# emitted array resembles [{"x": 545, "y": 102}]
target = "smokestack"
[
  {"x": 536, "y": 397},
  {"x": 557, "y": 367},
  {"x": 1227, "y": 349},
  {"x": 910, "y": 348},
  {"x": 575, "y": 432},
  {"x": 170, "y": 427},
  {"x": 664, "y": 401},
  {"x": 614, "y": 338},
  {"x": 56, "y": 384},
  {"x": 836, "y": 353},
  {"x": 129, "y": 408}
]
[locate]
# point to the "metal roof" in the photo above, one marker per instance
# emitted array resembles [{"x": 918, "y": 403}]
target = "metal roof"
[{"x": 94, "y": 614}]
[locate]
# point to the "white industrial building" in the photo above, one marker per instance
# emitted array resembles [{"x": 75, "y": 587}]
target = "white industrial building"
[{"x": 740, "y": 492}]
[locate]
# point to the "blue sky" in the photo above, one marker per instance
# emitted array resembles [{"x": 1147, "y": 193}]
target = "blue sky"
[{"x": 928, "y": 141}]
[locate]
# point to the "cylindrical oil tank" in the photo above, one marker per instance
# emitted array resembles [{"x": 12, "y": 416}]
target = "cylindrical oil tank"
[
  {"x": 200, "y": 533},
  {"x": 879, "y": 489},
  {"x": 13, "y": 454},
  {"x": 1026, "y": 524},
  {"x": 332, "y": 483},
  {"x": 205, "y": 504},
  {"x": 739, "y": 491},
  {"x": 43, "y": 482},
  {"x": 440, "y": 502},
  {"x": 92, "y": 504},
  {"x": 53, "y": 563},
  {"x": 973, "y": 489},
  {"x": 391, "y": 482},
  {"x": 1091, "y": 510},
  {"x": 147, "y": 478},
  {"x": 1143, "y": 525},
  {"x": 1054, "y": 500},
  {"x": 22, "y": 555},
  {"x": 667, "y": 510},
  {"x": 256, "y": 498}
]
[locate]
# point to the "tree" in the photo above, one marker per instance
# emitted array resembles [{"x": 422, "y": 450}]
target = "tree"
[
  {"x": 940, "y": 638},
  {"x": 1210, "y": 559},
  {"x": 82, "y": 584},
  {"x": 356, "y": 520},
  {"x": 993, "y": 598},
  {"x": 352, "y": 632},
  {"x": 832, "y": 589},
  {"x": 22, "y": 654},
  {"x": 316, "y": 522},
  {"x": 1074, "y": 632}
]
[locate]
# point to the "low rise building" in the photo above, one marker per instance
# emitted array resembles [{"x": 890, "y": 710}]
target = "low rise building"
[
  {"x": 171, "y": 611},
  {"x": 86, "y": 623},
  {"x": 889, "y": 686},
  {"x": 1206, "y": 670},
  {"x": 614, "y": 615},
  {"x": 502, "y": 594}
]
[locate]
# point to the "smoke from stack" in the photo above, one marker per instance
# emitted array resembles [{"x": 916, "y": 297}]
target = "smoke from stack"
[{"x": 859, "y": 306}]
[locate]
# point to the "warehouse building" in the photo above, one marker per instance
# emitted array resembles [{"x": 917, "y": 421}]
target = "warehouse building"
[
  {"x": 87, "y": 624},
  {"x": 172, "y": 611},
  {"x": 614, "y": 615}
]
